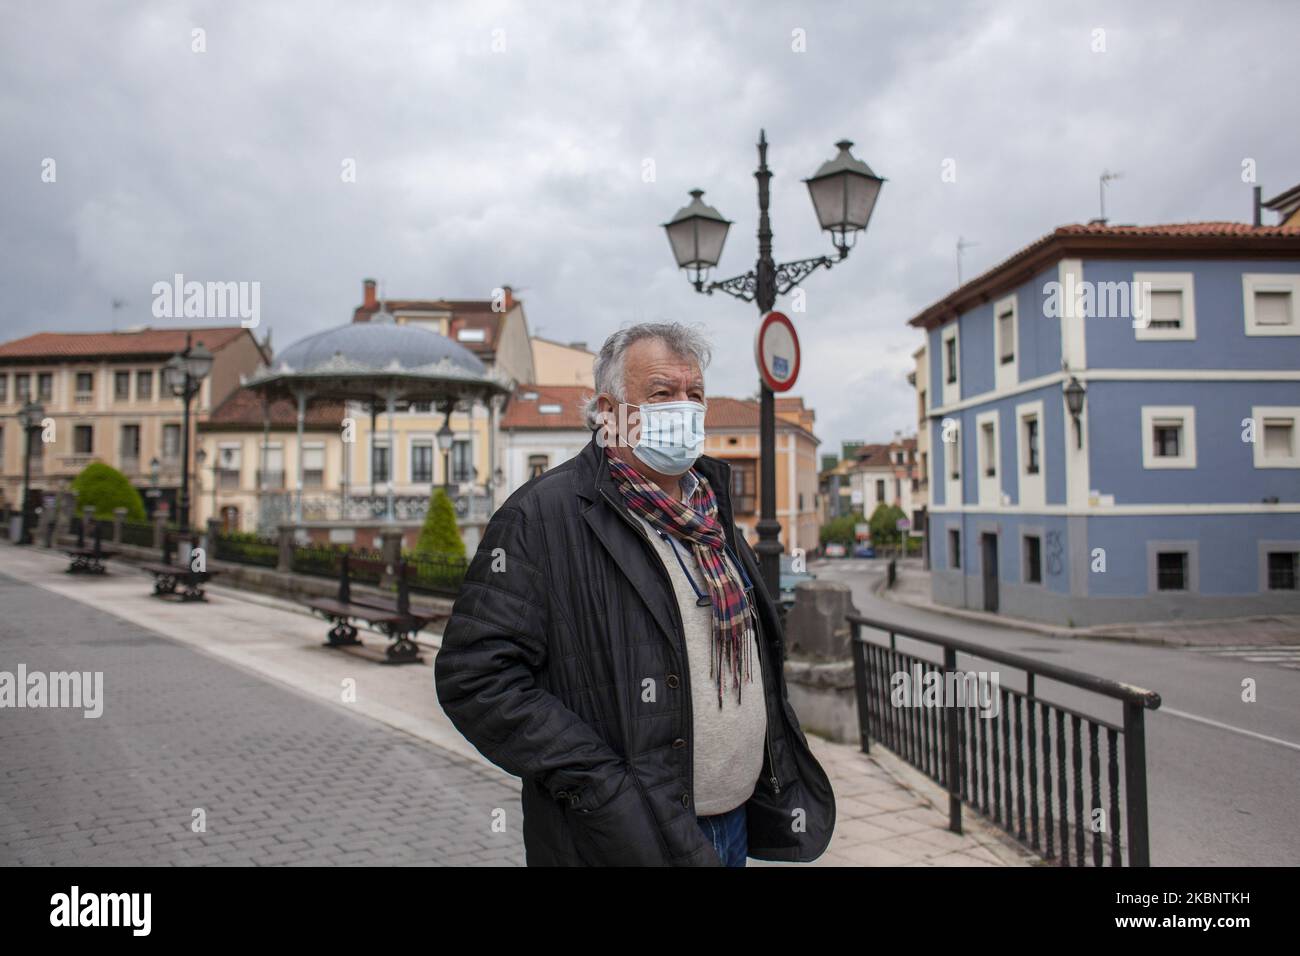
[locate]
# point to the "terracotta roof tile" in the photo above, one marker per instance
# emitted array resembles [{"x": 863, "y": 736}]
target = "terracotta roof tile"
[
  {"x": 243, "y": 409},
  {"x": 526, "y": 413},
  {"x": 160, "y": 342}
]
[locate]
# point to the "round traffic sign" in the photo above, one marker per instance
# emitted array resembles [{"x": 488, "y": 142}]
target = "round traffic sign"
[{"x": 777, "y": 351}]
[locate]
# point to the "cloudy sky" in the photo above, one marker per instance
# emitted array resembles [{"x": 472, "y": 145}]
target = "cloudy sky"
[{"x": 506, "y": 143}]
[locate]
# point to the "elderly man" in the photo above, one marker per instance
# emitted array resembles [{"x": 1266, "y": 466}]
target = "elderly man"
[{"x": 614, "y": 644}]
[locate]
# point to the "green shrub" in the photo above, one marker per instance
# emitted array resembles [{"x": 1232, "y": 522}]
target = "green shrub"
[
  {"x": 105, "y": 488},
  {"x": 440, "y": 535}
]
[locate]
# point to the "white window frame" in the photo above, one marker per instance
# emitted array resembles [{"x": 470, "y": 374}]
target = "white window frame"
[
  {"x": 1262, "y": 412},
  {"x": 434, "y": 455},
  {"x": 1187, "y": 453},
  {"x": 1252, "y": 282},
  {"x": 951, "y": 390},
  {"x": 1183, "y": 282},
  {"x": 1006, "y": 376},
  {"x": 1032, "y": 491},
  {"x": 990, "y": 487}
]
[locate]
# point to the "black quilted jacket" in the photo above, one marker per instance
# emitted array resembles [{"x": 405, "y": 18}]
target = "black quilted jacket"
[{"x": 565, "y": 620}]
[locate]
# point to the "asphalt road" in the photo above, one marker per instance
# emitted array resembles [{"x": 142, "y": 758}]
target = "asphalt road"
[{"x": 1223, "y": 775}]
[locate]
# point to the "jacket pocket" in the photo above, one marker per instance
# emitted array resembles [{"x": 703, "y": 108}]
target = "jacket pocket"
[{"x": 622, "y": 831}]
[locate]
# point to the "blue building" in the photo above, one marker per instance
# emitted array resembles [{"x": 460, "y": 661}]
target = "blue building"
[{"x": 1172, "y": 489}]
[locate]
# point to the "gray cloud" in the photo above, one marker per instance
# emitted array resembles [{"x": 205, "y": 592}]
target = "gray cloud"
[{"x": 477, "y": 168}]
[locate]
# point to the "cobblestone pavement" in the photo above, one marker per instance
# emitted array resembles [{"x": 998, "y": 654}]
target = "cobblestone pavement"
[{"x": 280, "y": 777}]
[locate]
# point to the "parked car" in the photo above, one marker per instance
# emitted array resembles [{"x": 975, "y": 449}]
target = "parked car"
[
  {"x": 790, "y": 578},
  {"x": 835, "y": 550},
  {"x": 864, "y": 550}
]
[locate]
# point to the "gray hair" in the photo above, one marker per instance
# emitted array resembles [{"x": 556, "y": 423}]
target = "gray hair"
[{"x": 683, "y": 340}]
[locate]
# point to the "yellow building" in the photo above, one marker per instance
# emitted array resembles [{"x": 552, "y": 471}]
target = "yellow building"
[{"x": 104, "y": 394}]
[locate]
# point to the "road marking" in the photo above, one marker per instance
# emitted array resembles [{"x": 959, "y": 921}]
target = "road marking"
[
  {"x": 1283, "y": 655},
  {"x": 1229, "y": 727}
]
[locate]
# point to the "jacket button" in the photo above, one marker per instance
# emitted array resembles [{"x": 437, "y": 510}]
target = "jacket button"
[
  {"x": 672, "y": 680},
  {"x": 679, "y": 743},
  {"x": 562, "y": 795},
  {"x": 686, "y": 799}
]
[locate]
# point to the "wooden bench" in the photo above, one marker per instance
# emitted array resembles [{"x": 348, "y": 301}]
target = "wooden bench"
[
  {"x": 88, "y": 560},
  {"x": 395, "y": 617},
  {"x": 169, "y": 576}
]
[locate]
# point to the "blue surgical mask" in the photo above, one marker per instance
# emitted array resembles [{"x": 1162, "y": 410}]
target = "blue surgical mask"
[{"x": 672, "y": 436}]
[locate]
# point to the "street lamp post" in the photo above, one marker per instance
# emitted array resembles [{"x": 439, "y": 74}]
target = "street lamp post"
[
  {"x": 445, "y": 439},
  {"x": 844, "y": 192},
  {"x": 30, "y": 417},
  {"x": 183, "y": 375}
]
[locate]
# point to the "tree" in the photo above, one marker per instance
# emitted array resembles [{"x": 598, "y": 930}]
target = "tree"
[
  {"x": 884, "y": 523},
  {"x": 105, "y": 488},
  {"x": 440, "y": 535},
  {"x": 840, "y": 530}
]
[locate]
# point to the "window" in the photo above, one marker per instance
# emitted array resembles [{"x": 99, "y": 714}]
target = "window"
[
  {"x": 313, "y": 466},
  {"x": 1169, "y": 436},
  {"x": 229, "y": 465},
  {"x": 422, "y": 462},
  {"x": 1006, "y": 338},
  {"x": 143, "y": 385},
  {"x": 1033, "y": 559},
  {"x": 744, "y": 485},
  {"x": 2, "y": 448},
  {"x": 1271, "y": 303},
  {"x": 121, "y": 386},
  {"x": 4, "y": 388},
  {"x": 421, "y": 408},
  {"x": 273, "y": 476},
  {"x": 989, "y": 447},
  {"x": 1276, "y": 445},
  {"x": 462, "y": 463},
  {"x": 898, "y": 489},
  {"x": 1171, "y": 571},
  {"x": 950, "y": 358},
  {"x": 379, "y": 464},
  {"x": 83, "y": 439},
  {"x": 130, "y": 447},
  {"x": 1031, "y": 446},
  {"x": 880, "y": 489},
  {"x": 1166, "y": 306},
  {"x": 954, "y": 548},
  {"x": 1282, "y": 570},
  {"x": 954, "y": 457},
  {"x": 171, "y": 443},
  {"x": 22, "y": 387},
  {"x": 925, "y": 466},
  {"x": 537, "y": 465},
  {"x": 85, "y": 383},
  {"x": 45, "y": 386},
  {"x": 921, "y": 401}
]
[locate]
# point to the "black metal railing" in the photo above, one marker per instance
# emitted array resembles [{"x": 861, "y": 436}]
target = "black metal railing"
[
  {"x": 1023, "y": 766},
  {"x": 140, "y": 535},
  {"x": 318, "y": 559},
  {"x": 245, "y": 548},
  {"x": 435, "y": 573}
]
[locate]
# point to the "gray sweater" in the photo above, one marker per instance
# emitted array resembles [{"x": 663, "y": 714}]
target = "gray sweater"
[{"x": 728, "y": 743}]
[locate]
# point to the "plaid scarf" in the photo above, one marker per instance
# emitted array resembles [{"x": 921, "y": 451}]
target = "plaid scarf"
[{"x": 697, "y": 524}]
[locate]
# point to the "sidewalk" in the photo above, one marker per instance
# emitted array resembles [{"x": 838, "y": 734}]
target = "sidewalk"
[
  {"x": 912, "y": 588},
  {"x": 888, "y": 814}
]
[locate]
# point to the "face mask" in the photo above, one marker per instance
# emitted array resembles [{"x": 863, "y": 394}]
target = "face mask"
[{"x": 672, "y": 436}]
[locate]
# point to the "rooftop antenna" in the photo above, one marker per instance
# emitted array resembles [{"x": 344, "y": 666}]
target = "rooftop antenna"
[
  {"x": 1106, "y": 176},
  {"x": 962, "y": 246},
  {"x": 117, "y": 304}
]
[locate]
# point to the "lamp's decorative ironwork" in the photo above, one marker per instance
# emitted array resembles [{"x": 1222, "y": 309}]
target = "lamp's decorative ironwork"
[
  {"x": 30, "y": 417},
  {"x": 183, "y": 376},
  {"x": 1074, "y": 398}
]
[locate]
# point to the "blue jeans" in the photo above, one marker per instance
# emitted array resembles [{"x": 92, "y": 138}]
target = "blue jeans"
[{"x": 728, "y": 834}]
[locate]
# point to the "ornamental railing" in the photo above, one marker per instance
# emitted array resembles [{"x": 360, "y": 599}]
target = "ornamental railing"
[{"x": 1021, "y": 762}]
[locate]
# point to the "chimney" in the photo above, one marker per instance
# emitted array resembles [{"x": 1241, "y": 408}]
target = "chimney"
[
  {"x": 510, "y": 297},
  {"x": 368, "y": 285}
]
